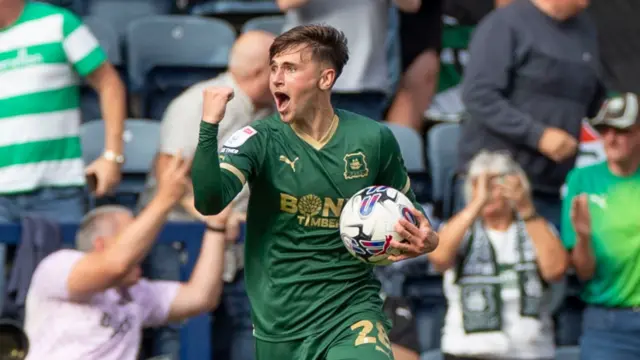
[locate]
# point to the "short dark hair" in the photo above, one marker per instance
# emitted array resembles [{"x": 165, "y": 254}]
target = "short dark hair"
[{"x": 326, "y": 43}]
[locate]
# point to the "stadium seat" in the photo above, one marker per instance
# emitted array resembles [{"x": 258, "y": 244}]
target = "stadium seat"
[
  {"x": 432, "y": 355},
  {"x": 568, "y": 353},
  {"x": 411, "y": 147},
  {"x": 442, "y": 152},
  {"x": 222, "y": 7},
  {"x": 119, "y": 13},
  {"x": 167, "y": 54},
  {"x": 141, "y": 140},
  {"x": 108, "y": 39},
  {"x": 272, "y": 24}
]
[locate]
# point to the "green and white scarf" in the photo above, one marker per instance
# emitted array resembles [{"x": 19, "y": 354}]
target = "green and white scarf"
[{"x": 479, "y": 280}]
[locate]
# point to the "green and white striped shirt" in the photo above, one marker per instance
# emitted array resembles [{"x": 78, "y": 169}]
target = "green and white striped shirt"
[{"x": 41, "y": 56}]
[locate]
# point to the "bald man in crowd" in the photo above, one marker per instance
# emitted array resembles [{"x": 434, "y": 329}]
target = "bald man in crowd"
[{"x": 248, "y": 75}]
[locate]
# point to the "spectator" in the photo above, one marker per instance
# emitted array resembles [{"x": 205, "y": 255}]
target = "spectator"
[
  {"x": 248, "y": 75},
  {"x": 600, "y": 228},
  {"x": 532, "y": 77},
  {"x": 42, "y": 50},
  {"x": 363, "y": 85},
  {"x": 497, "y": 255},
  {"x": 91, "y": 302},
  {"x": 421, "y": 42}
]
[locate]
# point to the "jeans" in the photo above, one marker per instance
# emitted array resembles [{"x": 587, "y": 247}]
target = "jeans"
[
  {"x": 63, "y": 204},
  {"x": 232, "y": 334},
  {"x": 163, "y": 263},
  {"x": 369, "y": 104},
  {"x": 611, "y": 334}
]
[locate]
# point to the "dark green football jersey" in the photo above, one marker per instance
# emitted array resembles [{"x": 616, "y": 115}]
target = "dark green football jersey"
[{"x": 299, "y": 276}]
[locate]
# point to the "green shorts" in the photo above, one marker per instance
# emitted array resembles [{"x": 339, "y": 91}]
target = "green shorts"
[{"x": 365, "y": 338}]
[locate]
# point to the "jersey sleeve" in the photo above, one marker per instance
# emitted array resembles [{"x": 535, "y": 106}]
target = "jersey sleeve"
[
  {"x": 155, "y": 299},
  {"x": 219, "y": 177},
  {"x": 80, "y": 46},
  {"x": 568, "y": 234},
  {"x": 392, "y": 170},
  {"x": 50, "y": 279}
]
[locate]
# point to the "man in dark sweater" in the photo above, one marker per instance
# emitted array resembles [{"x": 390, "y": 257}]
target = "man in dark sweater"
[{"x": 533, "y": 75}]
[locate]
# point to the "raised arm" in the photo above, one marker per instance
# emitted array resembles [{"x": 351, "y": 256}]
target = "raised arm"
[
  {"x": 101, "y": 270},
  {"x": 576, "y": 228},
  {"x": 219, "y": 177},
  {"x": 202, "y": 292},
  {"x": 454, "y": 231}
]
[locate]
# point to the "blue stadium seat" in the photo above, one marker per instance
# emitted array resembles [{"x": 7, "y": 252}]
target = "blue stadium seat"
[
  {"x": 221, "y": 7},
  {"x": 442, "y": 152},
  {"x": 412, "y": 149},
  {"x": 568, "y": 353},
  {"x": 432, "y": 355},
  {"x": 141, "y": 140},
  {"x": 272, "y": 24},
  {"x": 411, "y": 146},
  {"x": 119, "y": 13},
  {"x": 108, "y": 39},
  {"x": 167, "y": 54}
]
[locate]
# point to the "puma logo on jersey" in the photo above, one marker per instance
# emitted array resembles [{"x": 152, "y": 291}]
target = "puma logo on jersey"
[{"x": 286, "y": 160}]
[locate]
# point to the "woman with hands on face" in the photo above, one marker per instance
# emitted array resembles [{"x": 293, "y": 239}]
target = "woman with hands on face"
[{"x": 497, "y": 256}]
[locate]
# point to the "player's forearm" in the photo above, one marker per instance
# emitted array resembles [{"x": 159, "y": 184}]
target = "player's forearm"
[
  {"x": 583, "y": 259},
  {"x": 213, "y": 190}
]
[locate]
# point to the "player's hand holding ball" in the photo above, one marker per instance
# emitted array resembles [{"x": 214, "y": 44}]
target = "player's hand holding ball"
[
  {"x": 420, "y": 237},
  {"x": 379, "y": 225},
  {"x": 214, "y": 103}
]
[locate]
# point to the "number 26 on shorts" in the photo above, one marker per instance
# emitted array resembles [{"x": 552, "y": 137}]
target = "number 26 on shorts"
[{"x": 365, "y": 327}]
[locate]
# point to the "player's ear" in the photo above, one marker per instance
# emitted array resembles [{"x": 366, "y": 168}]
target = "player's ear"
[{"x": 327, "y": 78}]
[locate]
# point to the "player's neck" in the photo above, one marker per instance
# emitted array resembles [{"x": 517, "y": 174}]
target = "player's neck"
[
  {"x": 9, "y": 13},
  {"x": 316, "y": 124}
]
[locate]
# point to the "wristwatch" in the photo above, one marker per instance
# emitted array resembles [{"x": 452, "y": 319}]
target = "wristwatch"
[{"x": 112, "y": 156}]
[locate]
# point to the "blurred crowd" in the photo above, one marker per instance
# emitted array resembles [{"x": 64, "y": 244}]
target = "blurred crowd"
[{"x": 528, "y": 158}]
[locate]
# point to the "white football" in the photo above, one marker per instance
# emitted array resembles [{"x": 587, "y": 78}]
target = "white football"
[{"x": 367, "y": 223}]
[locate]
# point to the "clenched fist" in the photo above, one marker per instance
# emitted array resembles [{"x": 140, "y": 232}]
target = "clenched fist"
[
  {"x": 557, "y": 144},
  {"x": 214, "y": 103}
]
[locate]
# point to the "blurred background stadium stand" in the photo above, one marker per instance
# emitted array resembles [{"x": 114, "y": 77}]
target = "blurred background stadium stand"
[{"x": 161, "y": 47}]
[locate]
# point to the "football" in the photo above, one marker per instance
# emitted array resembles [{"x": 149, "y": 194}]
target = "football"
[{"x": 367, "y": 223}]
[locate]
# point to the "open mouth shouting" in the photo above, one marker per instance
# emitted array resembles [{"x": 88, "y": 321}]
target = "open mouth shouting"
[{"x": 282, "y": 101}]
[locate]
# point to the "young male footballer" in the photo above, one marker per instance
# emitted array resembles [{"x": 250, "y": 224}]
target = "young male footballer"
[{"x": 311, "y": 299}]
